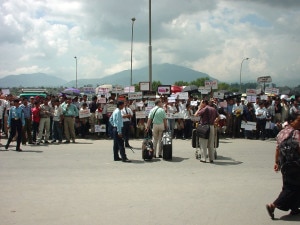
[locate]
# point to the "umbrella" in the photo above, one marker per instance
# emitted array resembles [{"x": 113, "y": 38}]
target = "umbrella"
[
  {"x": 71, "y": 91},
  {"x": 176, "y": 89},
  {"x": 190, "y": 88}
]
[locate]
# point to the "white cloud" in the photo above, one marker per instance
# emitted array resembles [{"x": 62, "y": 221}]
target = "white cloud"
[{"x": 211, "y": 37}]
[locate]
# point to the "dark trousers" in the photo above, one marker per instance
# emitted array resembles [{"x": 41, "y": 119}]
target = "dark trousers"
[
  {"x": 56, "y": 131},
  {"x": 261, "y": 128},
  {"x": 35, "y": 130},
  {"x": 118, "y": 145},
  {"x": 27, "y": 131},
  {"x": 188, "y": 128},
  {"x": 236, "y": 126},
  {"x": 15, "y": 126},
  {"x": 126, "y": 132}
]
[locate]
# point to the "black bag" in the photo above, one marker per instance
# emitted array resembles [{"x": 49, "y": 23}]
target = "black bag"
[
  {"x": 167, "y": 146},
  {"x": 203, "y": 131},
  {"x": 147, "y": 149}
]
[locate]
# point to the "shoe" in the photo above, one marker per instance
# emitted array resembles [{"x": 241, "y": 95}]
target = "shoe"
[
  {"x": 18, "y": 150},
  {"x": 53, "y": 141},
  {"x": 73, "y": 140},
  {"x": 6, "y": 147},
  {"x": 203, "y": 161},
  {"x": 211, "y": 161},
  {"x": 119, "y": 159},
  {"x": 31, "y": 143},
  {"x": 59, "y": 141},
  {"x": 128, "y": 146},
  {"x": 270, "y": 210},
  {"x": 38, "y": 143},
  {"x": 126, "y": 160},
  {"x": 160, "y": 156},
  {"x": 67, "y": 142},
  {"x": 46, "y": 142},
  {"x": 295, "y": 212}
]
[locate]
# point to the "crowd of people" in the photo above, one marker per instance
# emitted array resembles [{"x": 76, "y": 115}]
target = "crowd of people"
[{"x": 54, "y": 119}]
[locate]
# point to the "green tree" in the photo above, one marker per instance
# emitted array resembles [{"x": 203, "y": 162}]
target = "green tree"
[
  {"x": 199, "y": 82},
  {"x": 155, "y": 85},
  {"x": 181, "y": 83}
]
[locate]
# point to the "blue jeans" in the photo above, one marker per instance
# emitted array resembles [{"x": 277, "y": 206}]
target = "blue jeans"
[
  {"x": 56, "y": 131},
  {"x": 118, "y": 145}
]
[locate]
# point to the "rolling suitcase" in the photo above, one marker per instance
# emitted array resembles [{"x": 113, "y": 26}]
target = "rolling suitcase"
[
  {"x": 147, "y": 148},
  {"x": 167, "y": 146}
]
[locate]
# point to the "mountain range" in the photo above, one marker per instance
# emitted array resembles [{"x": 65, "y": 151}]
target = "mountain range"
[{"x": 165, "y": 73}]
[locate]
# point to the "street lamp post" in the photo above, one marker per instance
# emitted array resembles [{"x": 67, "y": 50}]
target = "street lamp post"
[
  {"x": 76, "y": 70},
  {"x": 132, "y": 19},
  {"x": 150, "y": 49},
  {"x": 241, "y": 73}
]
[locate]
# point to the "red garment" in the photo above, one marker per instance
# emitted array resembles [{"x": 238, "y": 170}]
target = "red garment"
[
  {"x": 284, "y": 134},
  {"x": 208, "y": 115},
  {"x": 36, "y": 114}
]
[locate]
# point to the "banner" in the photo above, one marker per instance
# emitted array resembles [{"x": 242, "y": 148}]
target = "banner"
[
  {"x": 140, "y": 114},
  {"x": 248, "y": 125},
  {"x": 135, "y": 95},
  {"x": 183, "y": 95},
  {"x": 84, "y": 113}
]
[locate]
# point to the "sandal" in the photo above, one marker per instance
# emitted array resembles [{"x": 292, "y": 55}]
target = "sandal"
[{"x": 270, "y": 210}]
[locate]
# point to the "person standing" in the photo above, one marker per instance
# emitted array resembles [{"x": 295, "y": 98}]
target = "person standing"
[
  {"x": 117, "y": 124},
  {"x": 26, "y": 132},
  {"x": 157, "y": 115},
  {"x": 237, "y": 111},
  {"x": 70, "y": 111},
  {"x": 126, "y": 115},
  {"x": 45, "y": 113},
  {"x": 57, "y": 122},
  {"x": 15, "y": 123},
  {"x": 288, "y": 160},
  {"x": 261, "y": 119},
  {"x": 92, "y": 120},
  {"x": 209, "y": 115},
  {"x": 35, "y": 120}
]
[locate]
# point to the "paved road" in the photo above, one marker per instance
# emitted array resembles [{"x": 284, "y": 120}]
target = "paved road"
[{"x": 80, "y": 184}]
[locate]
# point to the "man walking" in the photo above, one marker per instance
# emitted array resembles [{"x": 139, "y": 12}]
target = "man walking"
[
  {"x": 15, "y": 122},
  {"x": 158, "y": 116},
  {"x": 117, "y": 124}
]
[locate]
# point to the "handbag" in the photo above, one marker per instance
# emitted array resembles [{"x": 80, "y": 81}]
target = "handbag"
[{"x": 203, "y": 131}]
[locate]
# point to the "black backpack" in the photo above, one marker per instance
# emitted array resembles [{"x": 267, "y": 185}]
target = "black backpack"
[{"x": 290, "y": 160}]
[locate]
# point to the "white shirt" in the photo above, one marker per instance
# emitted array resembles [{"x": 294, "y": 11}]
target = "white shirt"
[{"x": 125, "y": 111}]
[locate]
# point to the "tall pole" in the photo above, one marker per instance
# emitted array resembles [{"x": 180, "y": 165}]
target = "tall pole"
[
  {"x": 150, "y": 49},
  {"x": 76, "y": 70},
  {"x": 241, "y": 73},
  {"x": 132, "y": 19}
]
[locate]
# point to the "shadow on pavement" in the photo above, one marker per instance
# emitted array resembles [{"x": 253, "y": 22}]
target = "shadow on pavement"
[
  {"x": 226, "y": 161},
  {"x": 290, "y": 218}
]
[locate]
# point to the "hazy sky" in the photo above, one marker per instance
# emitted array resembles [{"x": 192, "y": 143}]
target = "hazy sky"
[{"x": 210, "y": 36}]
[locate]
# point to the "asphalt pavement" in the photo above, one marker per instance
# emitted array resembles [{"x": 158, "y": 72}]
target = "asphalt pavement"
[{"x": 80, "y": 184}]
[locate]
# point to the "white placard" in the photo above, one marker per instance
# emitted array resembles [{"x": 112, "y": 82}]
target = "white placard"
[
  {"x": 250, "y": 92},
  {"x": 101, "y": 100},
  {"x": 151, "y": 104},
  {"x": 135, "y": 95},
  {"x": 248, "y": 125},
  {"x": 204, "y": 90},
  {"x": 219, "y": 95},
  {"x": 139, "y": 104},
  {"x": 194, "y": 103},
  {"x": 111, "y": 108},
  {"x": 144, "y": 86},
  {"x": 140, "y": 114},
  {"x": 147, "y": 110},
  {"x": 103, "y": 91},
  {"x": 100, "y": 128},
  {"x": 183, "y": 95},
  {"x": 171, "y": 99},
  {"x": 211, "y": 84},
  {"x": 84, "y": 113},
  {"x": 129, "y": 89}
]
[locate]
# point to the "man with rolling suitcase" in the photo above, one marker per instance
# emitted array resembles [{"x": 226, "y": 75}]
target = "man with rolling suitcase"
[{"x": 157, "y": 115}]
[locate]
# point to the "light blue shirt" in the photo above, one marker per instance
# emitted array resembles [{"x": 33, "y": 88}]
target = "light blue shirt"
[
  {"x": 116, "y": 120},
  {"x": 15, "y": 114}
]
